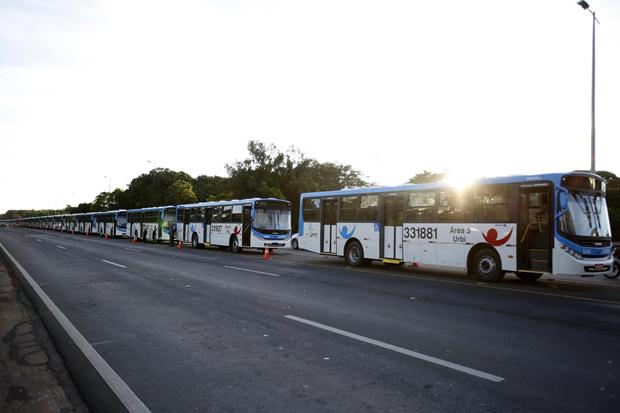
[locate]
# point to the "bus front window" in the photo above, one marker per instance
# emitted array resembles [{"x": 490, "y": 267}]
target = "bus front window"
[
  {"x": 586, "y": 216},
  {"x": 272, "y": 219}
]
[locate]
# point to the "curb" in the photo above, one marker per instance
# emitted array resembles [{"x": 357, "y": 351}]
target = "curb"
[{"x": 100, "y": 386}]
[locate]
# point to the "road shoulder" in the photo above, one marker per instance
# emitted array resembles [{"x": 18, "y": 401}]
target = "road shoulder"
[{"x": 33, "y": 377}]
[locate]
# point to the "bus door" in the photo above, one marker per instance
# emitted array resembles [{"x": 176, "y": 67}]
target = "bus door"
[
  {"x": 328, "y": 223},
  {"x": 392, "y": 216},
  {"x": 246, "y": 226},
  {"x": 207, "y": 232},
  {"x": 534, "y": 230}
]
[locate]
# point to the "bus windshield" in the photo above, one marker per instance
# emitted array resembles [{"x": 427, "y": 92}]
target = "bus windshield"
[
  {"x": 276, "y": 217},
  {"x": 586, "y": 217}
]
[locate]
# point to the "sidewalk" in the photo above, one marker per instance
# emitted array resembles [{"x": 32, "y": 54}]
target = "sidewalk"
[{"x": 33, "y": 377}]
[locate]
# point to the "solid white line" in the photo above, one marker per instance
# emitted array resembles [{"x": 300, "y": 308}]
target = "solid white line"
[
  {"x": 257, "y": 272},
  {"x": 61, "y": 247},
  {"x": 129, "y": 399},
  {"x": 401, "y": 350},
  {"x": 38, "y": 240},
  {"x": 113, "y": 263}
]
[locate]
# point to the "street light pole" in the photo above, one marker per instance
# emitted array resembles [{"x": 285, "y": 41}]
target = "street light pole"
[{"x": 584, "y": 5}]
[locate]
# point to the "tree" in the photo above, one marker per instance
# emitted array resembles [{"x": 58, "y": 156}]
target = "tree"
[
  {"x": 269, "y": 172},
  {"x": 156, "y": 189},
  {"x": 211, "y": 188},
  {"x": 426, "y": 177},
  {"x": 180, "y": 192},
  {"x": 613, "y": 201}
]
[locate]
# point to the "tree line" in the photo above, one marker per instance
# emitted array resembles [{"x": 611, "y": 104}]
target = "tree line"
[{"x": 266, "y": 172}]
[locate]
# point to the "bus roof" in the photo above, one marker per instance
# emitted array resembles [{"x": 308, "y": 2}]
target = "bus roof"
[
  {"x": 554, "y": 177},
  {"x": 230, "y": 202},
  {"x": 150, "y": 209}
]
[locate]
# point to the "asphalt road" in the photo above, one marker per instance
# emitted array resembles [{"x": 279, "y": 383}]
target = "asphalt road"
[{"x": 208, "y": 330}]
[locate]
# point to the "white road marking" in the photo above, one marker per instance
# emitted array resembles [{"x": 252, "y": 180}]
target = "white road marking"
[
  {"x": 254, "y": 271},
  {"x": 98, "y": 343},
  {"x": 132, "y": 249},
  {"x": 401, "y": 350},
  {"x": 127, "y": 397},
  {"x": 113, "y": 263},
  {"x": 61, "y": 247},
  {"x": 38, "y": 240}
]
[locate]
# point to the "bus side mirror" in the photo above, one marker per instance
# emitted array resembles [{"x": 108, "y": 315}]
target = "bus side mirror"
[{"x": 563, "y": 200}]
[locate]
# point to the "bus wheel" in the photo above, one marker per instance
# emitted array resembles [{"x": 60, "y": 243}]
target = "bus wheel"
[
  {"x": 354, "y": 255},
  {"x": 615, "y": 270},
  {"x": 528, "y": 276},
  {"x": 195, "y": 240},
  {"x": 295, "y": 244},
  {"x": 487, "y": 266},
  {"x": 234, "y": 245}
]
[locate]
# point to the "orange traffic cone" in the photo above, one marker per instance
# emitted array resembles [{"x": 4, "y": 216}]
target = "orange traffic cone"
[
  {"x": 266, "y": 254},
  {"x": 134, "y": 240},
  {"x": 180, "y": 244},
  {"x": 106, "y": 236}
]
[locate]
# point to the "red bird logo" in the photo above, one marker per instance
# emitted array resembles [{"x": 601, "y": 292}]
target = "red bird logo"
[
  {"x": 491, "y": 237},
  {"x": 236, "y": 230}
]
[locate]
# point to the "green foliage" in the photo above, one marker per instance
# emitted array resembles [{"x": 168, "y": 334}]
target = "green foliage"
[
  {"x": 211, "y": 188},
  {"x": 426, "y": 177},
  {"x": 269, "y": 172}
]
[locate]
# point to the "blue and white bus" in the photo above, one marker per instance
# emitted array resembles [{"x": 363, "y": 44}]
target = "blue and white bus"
[
  {"x": 150, "y": 224},
  {"x": 111, "y": 223},
  {"x": 529, "y": 225},
  {"x": 236, "y": 224}
]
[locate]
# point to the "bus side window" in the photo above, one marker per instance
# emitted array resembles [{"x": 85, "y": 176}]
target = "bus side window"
[
  {"x": 421, "y": 206},
  {"x": 311, "y": 210},
  {"x": 454, "y": 207},
  {"x": 369, "y": 208},
  {"x": 227, "y": 214},
  {"x": 217, "y": 215},
  {"x": 348, "y": 208},
  {"x": 492, "y": 204}
]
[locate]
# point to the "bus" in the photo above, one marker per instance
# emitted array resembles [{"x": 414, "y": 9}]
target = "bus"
[
  {"x": 529, "y": 225},
  {"x": 150, "y": 224},
  {"x": 237, "y": 224},
  {"x": 111, "y": 223},
  {"x": 84, "y": 222}
]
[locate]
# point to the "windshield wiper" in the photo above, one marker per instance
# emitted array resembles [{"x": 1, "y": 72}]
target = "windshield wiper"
[
  {"x": 597, "y": 213},
  {"x": 585, "y": 208}
]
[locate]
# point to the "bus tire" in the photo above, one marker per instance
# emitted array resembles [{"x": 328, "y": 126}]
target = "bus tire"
[
  {"x": 234, "y": 245},
  {"x": 195, "y": 240},
  {"x": 295, "y": 244},
  {"x": 615, "y": 270},
  {"x": 528, "y": 276},
  {"x": 487, "y": 266},
  {"x": 354, "y": 254}
]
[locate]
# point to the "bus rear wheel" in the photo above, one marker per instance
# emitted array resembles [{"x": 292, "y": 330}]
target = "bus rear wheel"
[
  {"x": 234, "y": 245},
  {"x": 354, "y": 255},
  {"x": 487, "y": 266},
  {"x": 528, "y": 276}
]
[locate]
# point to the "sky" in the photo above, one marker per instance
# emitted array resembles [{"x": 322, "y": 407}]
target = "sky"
[{"x": 96, "y": 92}]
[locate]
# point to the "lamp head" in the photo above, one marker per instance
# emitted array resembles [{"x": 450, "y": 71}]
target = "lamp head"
[{"x": 584, "y": 4}]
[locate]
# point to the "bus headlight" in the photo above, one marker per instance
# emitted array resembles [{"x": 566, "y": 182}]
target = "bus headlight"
[{"x": 572, "y": 252}]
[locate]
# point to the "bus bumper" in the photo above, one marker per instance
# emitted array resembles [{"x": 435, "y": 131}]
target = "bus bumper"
[{"x": 566, "y": 264}]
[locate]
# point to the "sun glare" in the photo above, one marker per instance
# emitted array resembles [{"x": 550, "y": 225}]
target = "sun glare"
[{"x": 459, "y": 180}]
